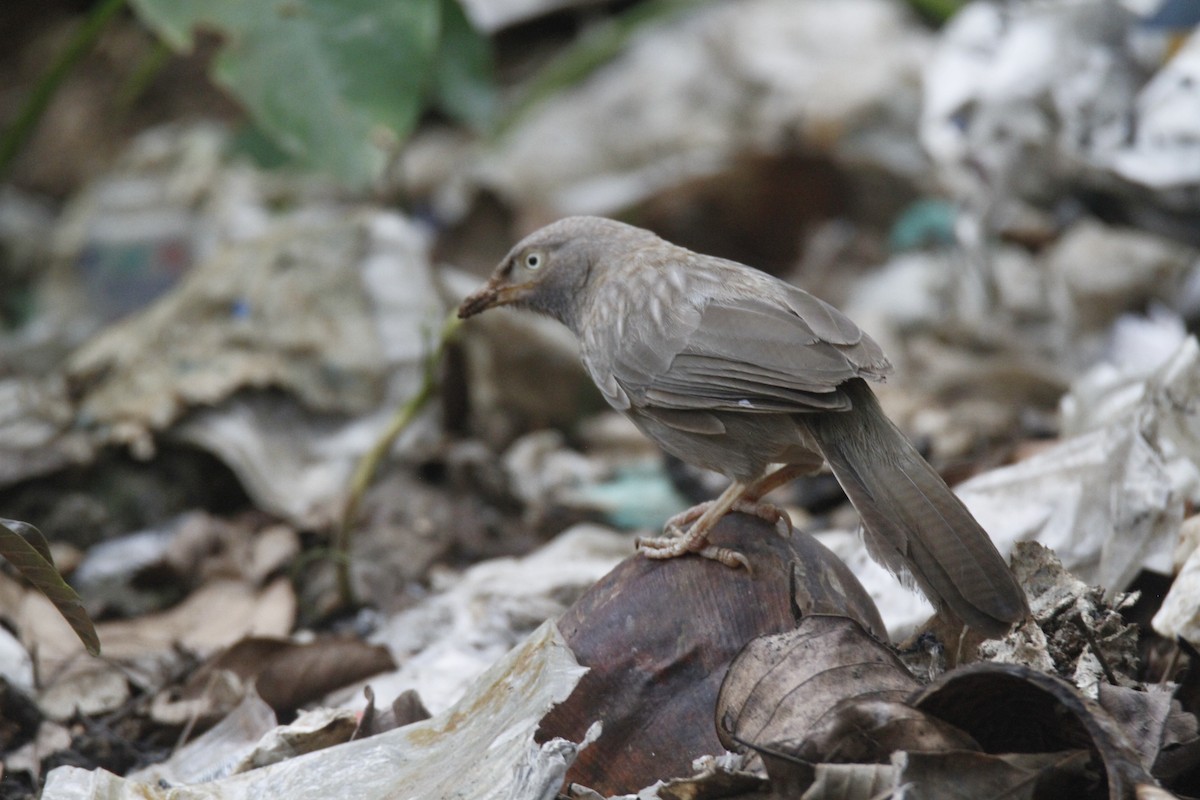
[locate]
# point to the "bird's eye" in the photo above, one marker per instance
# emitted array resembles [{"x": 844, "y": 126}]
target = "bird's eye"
[{"x": 533, "y": 261}]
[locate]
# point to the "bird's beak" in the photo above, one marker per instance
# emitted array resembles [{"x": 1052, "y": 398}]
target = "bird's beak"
[{"x": 493, "y": 293}]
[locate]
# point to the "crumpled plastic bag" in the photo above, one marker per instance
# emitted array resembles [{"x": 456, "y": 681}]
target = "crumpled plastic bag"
[{"x": 1110, "y": 499}]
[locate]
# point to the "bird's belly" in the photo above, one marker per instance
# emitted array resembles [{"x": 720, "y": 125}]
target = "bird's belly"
[{"x": 750, "y": 443}]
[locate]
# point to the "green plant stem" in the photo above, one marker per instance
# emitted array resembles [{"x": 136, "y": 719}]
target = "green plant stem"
[
  {"x": 369, "y": 463},
  {"x": 81, "y": 42},
  {"x": 143, "y": 75}
]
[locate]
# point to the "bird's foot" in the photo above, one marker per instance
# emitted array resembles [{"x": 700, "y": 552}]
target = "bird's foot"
[
  {"x": 769, "y": 512},
  {"x": 677, "y": 543}
]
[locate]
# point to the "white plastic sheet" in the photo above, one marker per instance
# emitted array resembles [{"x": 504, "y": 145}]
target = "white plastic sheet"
[{"x": 482, "y": 748}]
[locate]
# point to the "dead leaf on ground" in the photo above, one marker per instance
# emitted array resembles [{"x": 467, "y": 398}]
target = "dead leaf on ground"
[
  {"x": 826, "y": 692},
  {"x": 198, "y": 710},
  {"x": 313, "y": 730},
  {"x": 1079, "y": 635},
  {"x": 658, "y": 636},
  {"x": 1165, "y": 736},
  {"x": 51, "y": 738},
  {"x": 289, "y": 674},
  {"x": 405, "y": 709},
  {"x": 968, "y": 776},
  {"x": 89, "y": 687},
  {"x": 214, "y": 616},
  {"x": 146, "y": 649},
  {"x": 1013, "y": 709},
  {"x": 849, "y": 782},
  {"x": 716, "y": 778},
  {"x": 205, "y": 547}
]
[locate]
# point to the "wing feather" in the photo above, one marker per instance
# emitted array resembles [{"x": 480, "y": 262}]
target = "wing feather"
[{"x": 732, "y": 348}]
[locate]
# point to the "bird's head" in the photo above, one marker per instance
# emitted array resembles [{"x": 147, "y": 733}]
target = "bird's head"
[{"x": 549, "y": 271}]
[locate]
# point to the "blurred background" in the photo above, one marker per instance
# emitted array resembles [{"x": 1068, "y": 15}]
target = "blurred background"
[{"x": 231, "y": 237}]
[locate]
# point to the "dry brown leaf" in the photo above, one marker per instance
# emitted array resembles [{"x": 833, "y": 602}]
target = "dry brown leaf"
[
  {"x": 222, "y": 693},
  {"x": 825, "y": 691},
  {"x": 89, "y": 686},
  {"x": 790, "y": 776},
  {"x": 975, "y": 776},
  {"x": 45, "y": 634},
  {"x": 205, "y": 547},
  {"x": 850, "y": 782},
  {"x": 313, "y": 730},
  {"x": 1009, "y": 708},
  {"x": 867, "y": 730},
  {"x": 780, "y": 685},
  {"x": 1165, "y": 736},
  {"x": 271, "y": 549},
  {"x": 287, "y": 674},
  {"x": 712, "y": 784},
  {"x": 405, "y": 709},
  {"x": 658, "y": 636},
  {"x": 71, "y": 679},
  {"x": 141, "y": 650},
  {"x": 51, "y": 738},
  {"x": 214, "y": 616}
]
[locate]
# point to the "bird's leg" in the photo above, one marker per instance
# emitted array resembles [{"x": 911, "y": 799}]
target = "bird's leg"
[
  {"x": 684, "y": 518},
  {"x": 750, "y": 501},
  {"x": 695, "y": 539},
  {"x": 742, "y": 497},
  {"x": 768, "y": 512},
  {"x": 773, "y": 480}
]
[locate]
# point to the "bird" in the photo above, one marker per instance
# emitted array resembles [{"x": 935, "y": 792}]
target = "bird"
[{"x": 736, "y": 371}]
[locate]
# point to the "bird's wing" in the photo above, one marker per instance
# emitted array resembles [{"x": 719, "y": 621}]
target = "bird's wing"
[{"x": 779, "y": 350}]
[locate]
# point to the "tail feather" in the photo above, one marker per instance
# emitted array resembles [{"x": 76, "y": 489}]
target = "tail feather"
[{"x": 912, "y": 522}]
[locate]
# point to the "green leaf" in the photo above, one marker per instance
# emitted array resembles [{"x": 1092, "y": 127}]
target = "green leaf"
[
  {"x": 336, "y": 83},
  {"x": 26, "y": 548},
  {"x": 463, "y": 83},
  {"x": 937, "y": 11},
  {"x": 250, "y": 142}
]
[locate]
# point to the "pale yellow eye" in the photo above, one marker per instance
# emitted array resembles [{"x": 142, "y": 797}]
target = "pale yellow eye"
[{"x": 533, "y": 260}]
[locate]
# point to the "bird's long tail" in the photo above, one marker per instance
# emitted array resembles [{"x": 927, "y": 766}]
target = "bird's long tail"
[{"x": 911, "y": 520}]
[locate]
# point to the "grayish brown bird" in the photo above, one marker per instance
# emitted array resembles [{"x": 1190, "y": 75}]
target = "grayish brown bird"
[{"x": 731, "y": 369}]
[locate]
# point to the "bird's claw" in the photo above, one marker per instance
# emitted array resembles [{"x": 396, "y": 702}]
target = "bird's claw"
[
  {"x": 727, "y": 556},
  {"x": 766, "y": 511},
  {"x": 677, "y": 543},
  {"x": 673, "y": 543}
]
